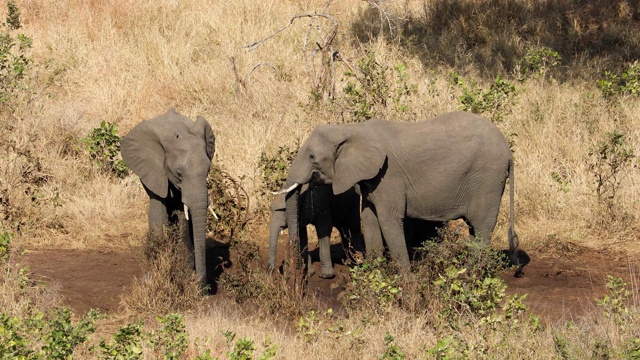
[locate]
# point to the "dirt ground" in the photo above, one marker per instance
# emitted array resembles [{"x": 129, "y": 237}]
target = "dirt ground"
[{"x": 560, "y": 285}]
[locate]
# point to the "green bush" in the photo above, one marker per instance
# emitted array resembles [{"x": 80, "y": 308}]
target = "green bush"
[
  {"x": 610, "y": 159},
  {"x": 374, "y": 286},
  {"x": 494, "y": 102},
  {"x": 14, "y": 59},
  {"x": 275, "y": 167},
  {"x": 372, "y": 91},
  {"x": 538, "y": 61},
  {"x": 626, "y": 83},
  {"x": 103, "y": 144}
]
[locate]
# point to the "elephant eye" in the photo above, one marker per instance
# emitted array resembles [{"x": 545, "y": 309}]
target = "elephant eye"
[{"x": 312, "y": 157}]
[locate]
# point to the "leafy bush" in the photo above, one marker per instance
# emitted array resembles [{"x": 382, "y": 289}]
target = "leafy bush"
[
  {"x": 53, "y": 335},
  {"x": 244, "y": 349},
  {"x": 627, "y": 83},
  {"x": 275, "y": 168},
  {"x": 13, "y": 56},
  {"x": 610, "y": 160},
  {"x": 371, "y": 89},
  {"x": 374, "y": 286},
  {"x": 131, "y": 340},
  {"x": 495, "y": 102},
  {"x": 103, "y": 144},
  {"x": 230, "y": 203},
  {"x": 538, "y": 61}
]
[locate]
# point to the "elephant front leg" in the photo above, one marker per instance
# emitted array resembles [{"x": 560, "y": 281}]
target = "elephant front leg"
[
  {"x": 391, "y": 225},
  {"x": 324, "y": 244},
  {"x": 371, "y": 231}
]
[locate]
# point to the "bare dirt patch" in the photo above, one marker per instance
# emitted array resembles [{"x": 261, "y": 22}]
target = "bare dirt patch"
[{"x": 559, "y": 287}]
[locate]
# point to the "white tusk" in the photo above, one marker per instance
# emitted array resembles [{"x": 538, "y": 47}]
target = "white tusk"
[
  {"x": 287, "y": 190},
  {"x": 186, "y": 211},
  {"x": 213, "y": 213}
]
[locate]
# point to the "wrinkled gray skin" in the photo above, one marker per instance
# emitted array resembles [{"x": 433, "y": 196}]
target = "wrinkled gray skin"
[
  {"x": 452, "y": 166},
  {"x": 319, "y": 207},
  {"x": 172, "y": 154}
]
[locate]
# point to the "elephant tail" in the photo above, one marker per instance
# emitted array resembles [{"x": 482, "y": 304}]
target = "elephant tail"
[{"x": 513, "y": 237}]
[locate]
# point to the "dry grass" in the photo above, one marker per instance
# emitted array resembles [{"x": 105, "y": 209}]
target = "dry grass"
[{"x": 125, "y": 61}]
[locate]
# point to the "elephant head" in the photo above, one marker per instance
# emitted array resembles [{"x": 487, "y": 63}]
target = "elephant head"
[
  {"x": 341, "y": 155},
  {"x": 172, "y": 155}
]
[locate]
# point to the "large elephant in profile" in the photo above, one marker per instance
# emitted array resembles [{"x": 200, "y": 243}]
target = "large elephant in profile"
[
  {"x": 172, "y": 155},
  {"x": 452, "y": 166},
  {"x": 318, "y": 206}
]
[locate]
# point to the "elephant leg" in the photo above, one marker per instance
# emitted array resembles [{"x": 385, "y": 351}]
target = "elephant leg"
[
  {"x": 304, "y": 250},
  {"x": 157, "y": 215},
  {"x": 483, "y": 217},
  {"x": 323, "y": 230},
  {"x": 371, "y": 231},
  {"x": 391, "y": 225}
]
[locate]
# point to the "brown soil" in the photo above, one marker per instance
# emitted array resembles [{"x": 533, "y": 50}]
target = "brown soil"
[{"x": 559, "y": 286}]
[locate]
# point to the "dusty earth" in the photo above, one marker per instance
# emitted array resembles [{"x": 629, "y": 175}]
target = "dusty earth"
[{"x": 561, "y": 285}]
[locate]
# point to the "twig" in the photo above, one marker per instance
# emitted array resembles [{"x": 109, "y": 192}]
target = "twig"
[{"x": 256, "y": 44}]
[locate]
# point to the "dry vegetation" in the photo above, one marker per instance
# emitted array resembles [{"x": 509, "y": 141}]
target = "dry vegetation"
[{"x": 125, "y": 61}]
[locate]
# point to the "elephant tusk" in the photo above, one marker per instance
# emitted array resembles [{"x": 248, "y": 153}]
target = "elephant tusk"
[
  {"x": 213, "y": 213},
  {"x": 287, "y": 190},
  {"x": 186, "y": 211}
]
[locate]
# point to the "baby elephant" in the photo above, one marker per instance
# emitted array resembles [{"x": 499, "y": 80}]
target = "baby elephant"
[{"x": 318, "y": 206}]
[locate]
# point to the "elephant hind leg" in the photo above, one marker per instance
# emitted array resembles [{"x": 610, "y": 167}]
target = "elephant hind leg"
[{"x": 482, "y": 218}]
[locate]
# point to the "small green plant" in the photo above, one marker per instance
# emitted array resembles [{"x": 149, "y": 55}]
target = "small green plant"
[
  {"x": 392, "y": 352},
  {"x": 126, "y": 343},
  {"x": 374, "y": 286},
  {"x": 564, "y": 185},
  {"x": 172, "y": 340},
  {"x": 372, "y": 88},
  {"x": 14, "y": 60},
  {"x": 230, "y": 204},
  {"x": 244, "y": 348},
  {"x": 103, "y": 144},
  {"x": 610, "y": 160},
  {"x": 275, "y": 168},
  {"x": 538, "y": 61},
  {"x": 494, "y": 102},
  {"x": 51, "y": 335},
  {"x": 627, "y": 83},
  {"x": 615, "y": 303}
]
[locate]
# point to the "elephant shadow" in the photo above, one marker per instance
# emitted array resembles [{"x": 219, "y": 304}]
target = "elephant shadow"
[{"x": 218, "y": 259}]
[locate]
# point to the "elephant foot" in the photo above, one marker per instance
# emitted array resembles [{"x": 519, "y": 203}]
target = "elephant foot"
[{"x": 327, "y": 274}]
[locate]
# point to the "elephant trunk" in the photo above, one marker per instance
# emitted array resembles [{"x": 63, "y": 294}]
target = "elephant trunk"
[
  {"x": 293, "y": 222},
  {"x": 278, "y": 223},
  {"x": 197, "y": 203}
]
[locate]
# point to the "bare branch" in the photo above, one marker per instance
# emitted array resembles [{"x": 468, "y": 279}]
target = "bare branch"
[{"x": 256, "y": 44}]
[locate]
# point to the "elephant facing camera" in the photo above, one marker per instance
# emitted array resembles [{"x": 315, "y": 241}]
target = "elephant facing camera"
[{"x": 172, "y": 154}]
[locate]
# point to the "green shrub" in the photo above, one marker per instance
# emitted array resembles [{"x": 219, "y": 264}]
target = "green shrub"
[
  {"x": 229, "y": 201},
  {"x": 103, "y": 144},
  {"x": 131, "y": 340},
  {"x": 14, "y": 59},
  {"x": 275, "y": 167},
  {"x": 495, "y": 102},
  {"x": 627, "y": 83},
  {"x": 538, "y": 61},
  {"x": 374, "y": 286},
  {"x": 371, "y": 89},
  {"x": 392, "y": 352},
  {"x": 610, "y": 159}
]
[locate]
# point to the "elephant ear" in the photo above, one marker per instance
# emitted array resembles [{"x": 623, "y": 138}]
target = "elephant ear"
[
  {"x": 202, "y": 127},
  {"x": 359, "y": 156},
  {"x": 143, "y": 153}
]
